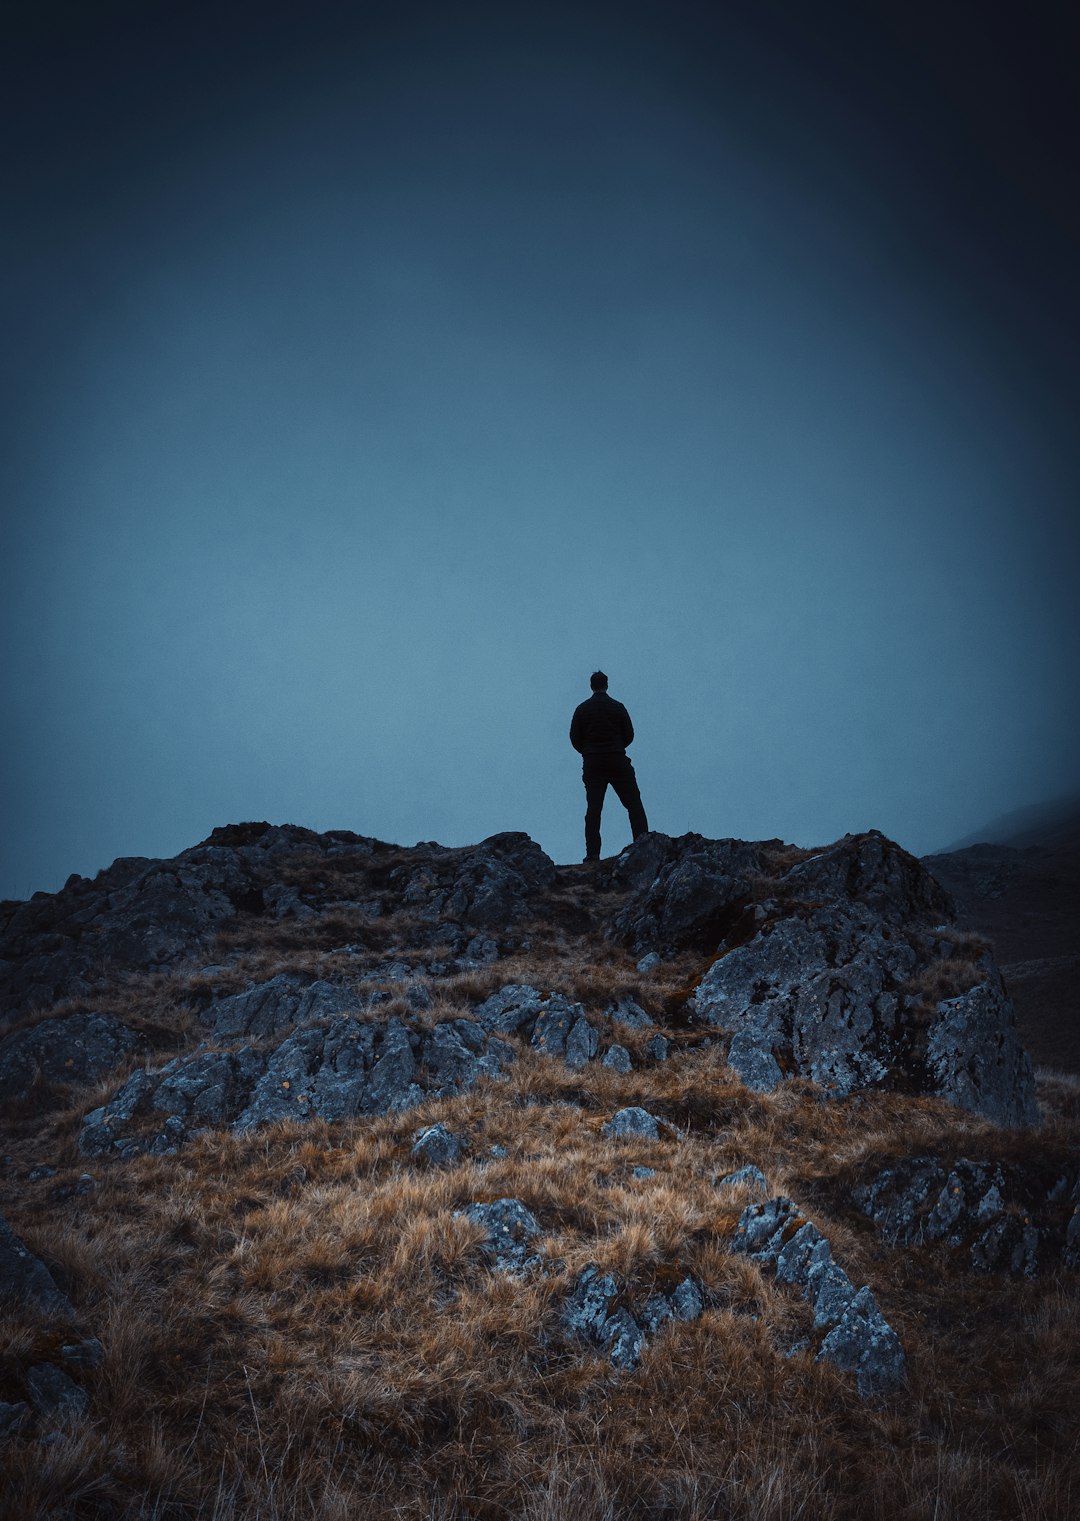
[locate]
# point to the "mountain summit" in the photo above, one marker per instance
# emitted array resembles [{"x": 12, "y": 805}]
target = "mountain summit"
[{"x": 386, "y": 1173}]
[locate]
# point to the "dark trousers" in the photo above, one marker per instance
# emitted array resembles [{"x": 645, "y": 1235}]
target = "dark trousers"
[{"x": 597, "y": 772}]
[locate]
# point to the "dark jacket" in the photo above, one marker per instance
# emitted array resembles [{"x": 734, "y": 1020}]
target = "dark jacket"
[{"x": 601, "y": 726}]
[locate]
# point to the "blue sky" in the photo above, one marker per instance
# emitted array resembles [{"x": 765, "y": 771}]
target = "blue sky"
[{"x": 370, "y": 388}]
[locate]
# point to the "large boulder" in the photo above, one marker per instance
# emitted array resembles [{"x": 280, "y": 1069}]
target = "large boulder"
[
  {"x": 80, "y": 1048},
  {"x": 680, "y": 893},
  {"x": 487, "y": 887},
  {"x": 333, "y": 1070},
  {"x": 974, "y": 1056},
  {"x": 827, "y": 988},
  {"x": 271, "y": 1006}
]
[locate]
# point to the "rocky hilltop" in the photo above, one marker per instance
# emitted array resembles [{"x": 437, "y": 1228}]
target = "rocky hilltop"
[{"x": 711, "y": 1099}]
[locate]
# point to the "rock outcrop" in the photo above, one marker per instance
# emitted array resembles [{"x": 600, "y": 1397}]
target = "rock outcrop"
[
  {"x": 1000, "y": 1216},
  {"x": 823, "y": 989},
  {"x": 79, "y": 1048},
  {"x": 857, "y": 1337}
]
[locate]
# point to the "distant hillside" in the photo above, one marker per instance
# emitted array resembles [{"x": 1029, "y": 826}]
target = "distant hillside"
[{"x": 1018, "y": 883}]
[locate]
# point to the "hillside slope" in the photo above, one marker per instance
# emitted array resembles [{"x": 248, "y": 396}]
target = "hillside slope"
[
  {"x": 348, "y": 1179},
  {"x": 1020, "y": 887}
]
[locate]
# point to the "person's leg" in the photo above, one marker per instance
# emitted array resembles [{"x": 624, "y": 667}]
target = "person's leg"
[
  {"x": 625, "y": 783},
  {"x": 595, "y": 787}
]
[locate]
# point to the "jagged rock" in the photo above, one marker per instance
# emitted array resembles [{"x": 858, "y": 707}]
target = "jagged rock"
[
  {"x": 13, "y": 1417},
  {"x": 53, "y": 1394},
  {"x": 207, "y": 1088},
  {"x": 624, "y": 1339},
  {"x": 686, "y": 1300},
  {"x": 272, "y": 1006},
  {"x": 509, "y": 1228},
  {"x": 634, "y": 1122},
  {"x": 649, "y": 962},
  {"x": 1002, "y": 1219},
  {"x": 865, "y": 1344},
  {"x": 872, "y": 870},
  {"x": 975, "y": 1058},
  {"x": 630, "y": 1014},
  {"x": 480, "y": 951},
  {"x": 894, "y": 1200},
  {"x": 818, "y": 991},
  {"x": 25, "y": 1277},
  {"x": 553, "y": 1024},
  {"x": 316, "y": 1071},
  {"x": 658, "y": 1047},
  {"x": 585, "y": 1311},
  {"x": 453, "y": 1055},
  {"x": 593, "y": 1311},
  {"x": 438, "y": 1146},
  {"x": 746, "y": 1177},
  {"x": 510, "y": 1009},
  {"x": 149, "y": 914},
  {"x": 859, "y": 1339},
  {"x": 680, "y": 892},
  {"x": 582, "y": 1044},
  {"x": 488, "y": 887},
  {"x": 79, "y": 1048},
  {"x": 617, "y": 1058}
]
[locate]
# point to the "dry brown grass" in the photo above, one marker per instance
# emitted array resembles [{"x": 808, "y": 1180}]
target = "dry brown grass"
[{"x": 297, "y": 1325}]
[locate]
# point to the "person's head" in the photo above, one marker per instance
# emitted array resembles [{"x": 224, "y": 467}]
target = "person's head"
[{"x": 598, "y": 681}]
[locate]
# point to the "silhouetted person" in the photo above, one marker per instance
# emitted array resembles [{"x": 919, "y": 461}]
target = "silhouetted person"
[{"x": 600, "y": 732}]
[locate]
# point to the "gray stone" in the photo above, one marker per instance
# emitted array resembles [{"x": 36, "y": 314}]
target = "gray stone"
[
  {"x": 658, "y": 1048},
  {"x": 859, "y": 1339},
  {"x": 865, "y": 1344},
  {"x": 633, "y": 1122},
  {"x": 53, "y": 1394},
  {"x": 80, "y": 1048},
  {"x": 832, "y": 1292},
  {"x": 511, "y": 1008},
  {"x": 746, "y": 1177},
  {"x": 272, "y": 1006},
  {"x": 624, "y": 1339},
  {"x": 801, "y": 1253},
  {"x": 649, "y": 962},
  {"x": 657, "y": 1310},
  {"x": 509, "y": 1229},
  {"x": 582, "y": 1043},
  {"x": 438, "y": 1146},
  {"x": 391, "y": 1085},
  {"x": 25, "y": 1278},
  {"x": 451, "y": 1054},
  {"x": 585, "y": 1312},
  {"x": 632, "y": 1015},
  {"x": 975, "y": 1058},
  {"x": 554, "y": 1023},
  {"x": 895, "y": 1200},
  {"x": 641, "y": 1173},
  {"x": 617, "y": 1059},
  {"x": 686, "y": 1300},
  {"x": 679, "y": 893}
]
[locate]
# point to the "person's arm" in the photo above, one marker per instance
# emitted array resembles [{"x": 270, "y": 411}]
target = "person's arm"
[
  {"x": 575, "y": 730},
  {"x": 628, "y": 729}
]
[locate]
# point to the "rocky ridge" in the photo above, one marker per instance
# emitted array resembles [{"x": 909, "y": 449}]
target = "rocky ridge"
[{"x": 841, "y": 968}]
